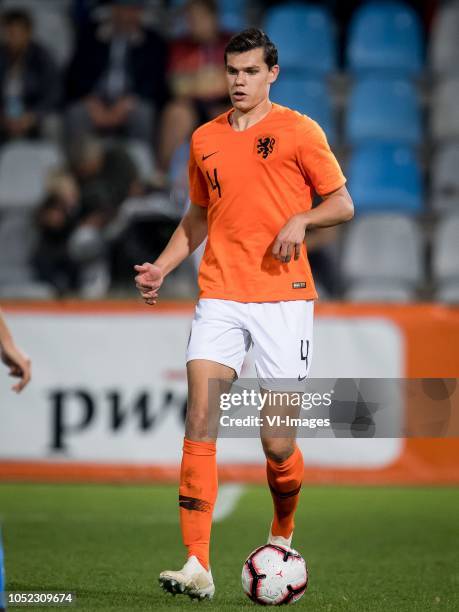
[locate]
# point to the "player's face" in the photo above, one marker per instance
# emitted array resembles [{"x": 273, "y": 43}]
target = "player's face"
[{"x": 249, "y": 78}]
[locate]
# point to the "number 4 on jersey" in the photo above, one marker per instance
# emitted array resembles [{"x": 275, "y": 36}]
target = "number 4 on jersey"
[{"x": 214, "y": 183}]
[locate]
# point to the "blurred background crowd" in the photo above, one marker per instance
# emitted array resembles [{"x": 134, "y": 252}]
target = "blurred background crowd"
[{"x": 98, "y": 100}]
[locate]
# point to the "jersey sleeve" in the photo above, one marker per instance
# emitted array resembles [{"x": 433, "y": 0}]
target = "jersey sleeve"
[
  {"x": 316, "y": 158},
  {"x": 199, "y": 193}
]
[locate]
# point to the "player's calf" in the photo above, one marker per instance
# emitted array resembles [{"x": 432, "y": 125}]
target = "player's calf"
[{"x": 284, "y": 480}]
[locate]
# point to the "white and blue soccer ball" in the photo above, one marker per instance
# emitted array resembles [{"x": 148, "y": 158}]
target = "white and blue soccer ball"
[{"x": 274, "y": 575}]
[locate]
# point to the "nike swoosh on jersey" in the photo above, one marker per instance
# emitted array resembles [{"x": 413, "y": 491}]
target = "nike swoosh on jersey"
[
  {"x": 300, "y": 378},
  {"x": 204, "y": 157}
]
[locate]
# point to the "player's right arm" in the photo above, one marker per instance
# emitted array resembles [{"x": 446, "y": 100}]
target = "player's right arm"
[{"x": 189, "y": 234}]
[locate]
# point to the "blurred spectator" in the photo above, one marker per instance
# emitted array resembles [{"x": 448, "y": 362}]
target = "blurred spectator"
[
  {"x": 105, "y": 176},
  {"x": 117, "y": 76},
  {"x": 29, "y": 80},
  {"x": 196, "y": 78},
  {"x": 73, "y": 251},
  {"x": 56, "y": 218}
]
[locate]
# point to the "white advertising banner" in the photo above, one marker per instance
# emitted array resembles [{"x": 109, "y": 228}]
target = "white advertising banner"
[{"x": 111, "y": 388}]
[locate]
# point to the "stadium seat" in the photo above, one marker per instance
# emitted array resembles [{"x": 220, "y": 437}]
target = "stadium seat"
[
  {"x": 305, "y": 37},
  {"x": 310, "y": 97},
  {"x": 23, "y": 170},
  {"x": 445, "y": 179},
  {"x": 53, "y": 31},
  {"x": 17, "y": 237},
  {"x": 232, "y": 5},
  {"x": 142, "y": 157},
  {"x": 445, "y": 111},
  {"x": 376, "y": 292},
  {"x": 445, "y": 258},
  {"x": 382, "y": 258},
  {"x": 448, "y": 294},
  {"x": 232, "y": 22},
  {"x": 385, "y": 178},
  {"x": 27, "y": 290},
  {"x": 444, "y": 40},
  {"x": 385, "y": 36},
  {"x": 384, "y": 110},
  {"x": 232, "y": 15}
]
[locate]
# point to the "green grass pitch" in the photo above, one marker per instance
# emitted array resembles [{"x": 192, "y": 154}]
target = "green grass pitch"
[{"x": 382, "y": 549}]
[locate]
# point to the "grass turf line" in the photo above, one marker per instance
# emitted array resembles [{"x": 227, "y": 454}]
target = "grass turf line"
[{"x": 374, "y": 549}]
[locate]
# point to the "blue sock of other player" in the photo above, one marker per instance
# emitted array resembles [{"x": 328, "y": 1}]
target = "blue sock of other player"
[{"x": 2, "y": 578}]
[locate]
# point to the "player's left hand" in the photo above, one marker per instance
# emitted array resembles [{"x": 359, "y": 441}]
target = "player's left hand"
[
  {"x": 18, "y": 364},
  {"x": 289, "y": 239}
]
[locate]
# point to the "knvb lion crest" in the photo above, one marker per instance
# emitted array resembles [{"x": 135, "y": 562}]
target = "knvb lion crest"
[{"x": 265, "y": 145}]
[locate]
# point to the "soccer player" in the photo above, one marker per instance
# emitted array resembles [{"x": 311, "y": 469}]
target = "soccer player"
[
  {"x": 253, "y": 172},
  {"x": 13, "y": 357}
]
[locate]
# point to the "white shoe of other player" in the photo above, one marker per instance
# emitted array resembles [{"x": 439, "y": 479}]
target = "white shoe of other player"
[
  {"x": 192, "y": 580},
  {"x": 280, "y": 540}
]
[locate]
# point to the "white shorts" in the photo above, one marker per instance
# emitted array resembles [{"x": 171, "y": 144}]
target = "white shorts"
[{"x": 279, "y": 332}]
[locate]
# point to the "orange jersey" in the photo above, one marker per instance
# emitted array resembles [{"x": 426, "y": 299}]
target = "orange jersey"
[{"x": 252, "y": 182}]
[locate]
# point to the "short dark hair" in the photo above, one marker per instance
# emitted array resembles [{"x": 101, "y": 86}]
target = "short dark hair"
[
  {"x": 17, "y": 16},
  {"x": 253, "y": 38}
]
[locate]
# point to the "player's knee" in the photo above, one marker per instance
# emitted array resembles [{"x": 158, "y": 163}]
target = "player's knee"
[{"x": 278, "y": 450}]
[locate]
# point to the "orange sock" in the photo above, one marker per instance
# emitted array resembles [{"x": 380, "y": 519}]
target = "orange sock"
[
  {"x": 197, "y": 494},
  {"x": 285, "y": 480}
]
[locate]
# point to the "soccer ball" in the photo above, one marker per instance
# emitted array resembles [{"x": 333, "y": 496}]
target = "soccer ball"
[{"x": 274, "y": 575}]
